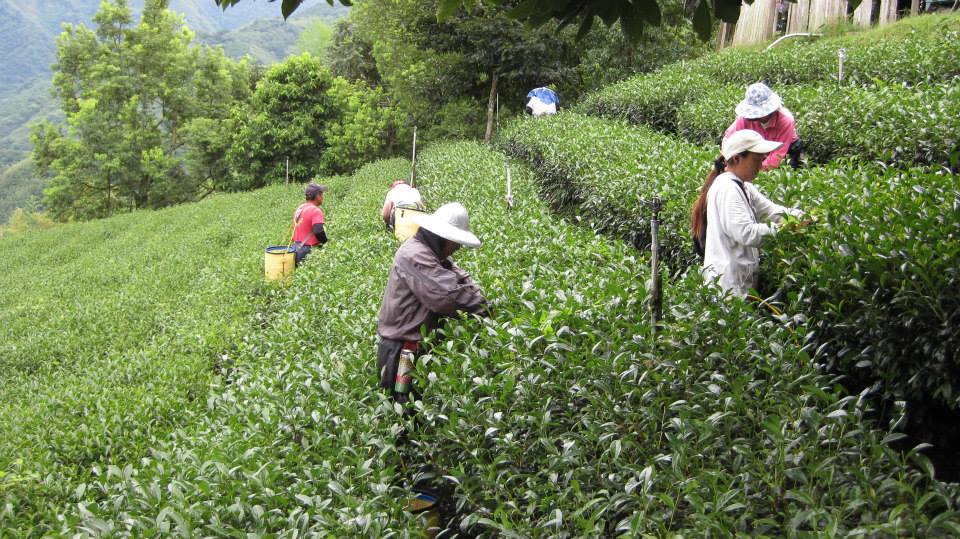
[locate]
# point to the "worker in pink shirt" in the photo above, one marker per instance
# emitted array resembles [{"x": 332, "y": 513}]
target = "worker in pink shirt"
[{"x": 762, "y": 111}]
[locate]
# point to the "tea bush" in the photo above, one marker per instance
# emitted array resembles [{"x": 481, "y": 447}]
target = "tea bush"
[
  {"x": 890, "y": 124},
  {"x": 604, "y": 171},
  {"x": 921, "y": 52},
  {"x": 110, "y": 333},
  {"x": 559, "y": 416},
  {"x": 903, "y": 335},
  {"x": 879, "y": 278}
]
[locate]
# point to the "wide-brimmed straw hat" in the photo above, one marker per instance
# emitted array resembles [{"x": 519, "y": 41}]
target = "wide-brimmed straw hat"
[
  {"x": 747, "y": 140},
  {"x": 450, "y": 222},
  {"x": 759, "y": 101}
]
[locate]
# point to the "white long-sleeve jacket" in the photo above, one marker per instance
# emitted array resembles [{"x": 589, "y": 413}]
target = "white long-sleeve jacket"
[{"x": 736, "y": 226}]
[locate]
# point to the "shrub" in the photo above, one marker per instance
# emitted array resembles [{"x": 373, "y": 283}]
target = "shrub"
[
  {"x": 890, "y": 124},
  {"x": 605, "y": 170}
]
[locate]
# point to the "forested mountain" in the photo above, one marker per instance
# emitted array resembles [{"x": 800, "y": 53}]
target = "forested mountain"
[{"x": 28, "y": 33}]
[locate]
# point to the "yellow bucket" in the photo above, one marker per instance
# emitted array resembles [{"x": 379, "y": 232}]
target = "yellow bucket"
[
  {"x": 278, "y": 262},
  {"x": 403, "y": 225}
]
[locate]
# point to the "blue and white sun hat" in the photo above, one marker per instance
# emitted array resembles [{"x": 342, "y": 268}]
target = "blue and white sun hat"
[{"x": 759, "y": 101}]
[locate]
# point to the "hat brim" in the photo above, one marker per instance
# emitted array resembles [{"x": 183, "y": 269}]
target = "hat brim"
[
  {"x": 753, "y": 112},
  {"x": 766, "y": 146},
  {"x": 447, "y": 231}
]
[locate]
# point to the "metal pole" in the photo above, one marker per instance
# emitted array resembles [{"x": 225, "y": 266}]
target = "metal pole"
[
  {"x": 509, "y": 184},
  {"x": 413, "y": 160},
  {"x": 656, "y": 299},
  {"x": 842, "y": 55},
  {"x": 288, "y": 170},
  {"x": 498, "y": 112}
]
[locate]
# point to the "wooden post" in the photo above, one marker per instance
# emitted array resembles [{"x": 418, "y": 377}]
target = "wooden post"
[
  {"x": 863, "y": 14},
  {"x": 798, "y": 19},
  {"x": 656, "y": 299},
  {"x": 888, "y": 11},
  {"x": 506, "y": 164},
  {"x": 756, "y": 23},
  {"x": 824, "y": 12}
]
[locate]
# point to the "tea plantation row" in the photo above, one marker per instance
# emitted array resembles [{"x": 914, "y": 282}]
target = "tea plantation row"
[
  {"x": 559, "y": 416},
  {"x": 877, "y": 277},
  {"x": 110, "y": 334},
  {"x": 872, "y": 116}
]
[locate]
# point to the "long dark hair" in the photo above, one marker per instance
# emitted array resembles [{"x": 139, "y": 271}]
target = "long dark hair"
[{"x": 698, "y": 214}]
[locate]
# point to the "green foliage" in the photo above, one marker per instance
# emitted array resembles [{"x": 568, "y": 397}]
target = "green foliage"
[
  {"x": 300, "y": 112},
  {"x": 875, "y": 279},
  {"x": 110, "y": 334},
  {"x": 878, "y": 277},
  {"x": 887, "y": 123},
  {"x": 284, "y": 119},
  {"x": 127, "y": 92},
  {"x": 365, "y": 129},
  {"x": 20, "y": 185},
  {"x": 917, "y": 57},
  {"x": 315, "y": 39}
]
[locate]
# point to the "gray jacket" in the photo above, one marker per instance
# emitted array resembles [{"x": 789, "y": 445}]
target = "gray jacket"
[{"x": 420, "y": 289}]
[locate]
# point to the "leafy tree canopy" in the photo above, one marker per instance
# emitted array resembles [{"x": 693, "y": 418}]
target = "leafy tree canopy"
[{"x": 633, "y": 15}]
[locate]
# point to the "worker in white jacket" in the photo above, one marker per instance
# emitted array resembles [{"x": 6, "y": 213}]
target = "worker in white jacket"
[{"x": 738, "y": 215}]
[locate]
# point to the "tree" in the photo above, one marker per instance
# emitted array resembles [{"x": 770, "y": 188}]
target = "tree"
[
  {"x": 127, "y": 93},
  {"x": 285, "y": 119},
  {"x": 364, "y": 130},
  {"x": 452, "y": 69},
  {"x": 633, "y": 15}
]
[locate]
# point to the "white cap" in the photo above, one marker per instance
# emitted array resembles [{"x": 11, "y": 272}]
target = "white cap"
[
  {"x": 747, "y": 140},
  {"x": 450, "y": 222}
]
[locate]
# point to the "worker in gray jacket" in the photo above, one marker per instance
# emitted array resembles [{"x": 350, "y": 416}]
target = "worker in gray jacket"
[{"x": 424, "y": 285}]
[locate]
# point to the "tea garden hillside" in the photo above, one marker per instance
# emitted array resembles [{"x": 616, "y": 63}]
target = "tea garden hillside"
[{"x": 156, "y": 384}]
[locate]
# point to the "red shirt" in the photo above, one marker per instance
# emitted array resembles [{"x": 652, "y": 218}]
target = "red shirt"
[
  {"x": 781, "y": 128},
  {"x": 307, "y": 215}
]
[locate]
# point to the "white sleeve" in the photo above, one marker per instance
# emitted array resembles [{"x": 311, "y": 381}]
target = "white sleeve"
[
  {"x": 736, "y": 217},
  {"x": 766, "y": 209}
]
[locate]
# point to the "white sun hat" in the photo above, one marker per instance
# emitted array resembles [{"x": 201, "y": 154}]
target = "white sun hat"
[
  {"x": 747, "y": 140},
  {"x": 759, "y": 101},
  {"x": 450, "y": 222}
]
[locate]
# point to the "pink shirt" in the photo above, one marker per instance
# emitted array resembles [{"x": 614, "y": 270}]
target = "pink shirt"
[
  {"x": 781, "y": 128},
  {"x": 307, "y": 215}
]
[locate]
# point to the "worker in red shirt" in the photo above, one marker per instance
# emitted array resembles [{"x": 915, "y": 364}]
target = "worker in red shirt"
[{"x": 308, "y": 222}]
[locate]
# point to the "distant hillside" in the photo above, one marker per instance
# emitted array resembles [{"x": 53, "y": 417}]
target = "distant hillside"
[
  {"x": 28, "y": 29},
  {"x": 28, "y": 32}
]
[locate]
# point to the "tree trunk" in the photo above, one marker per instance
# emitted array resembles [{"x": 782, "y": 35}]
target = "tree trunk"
[
  {"x": 490, "y": 107},
  {"x": 915, "y": 8}
]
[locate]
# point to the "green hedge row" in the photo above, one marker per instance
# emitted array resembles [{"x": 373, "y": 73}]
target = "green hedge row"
[
  {"x": 924, "y": 52},
  {"x": 880, "y": 277},
  {"x": 561, "y": 416},
  {"x": 558, "y": 416},
  {"x": 606, "y": 169},
  {"x": 886, "y": 123},
  {"x": 890, "y": 124}
]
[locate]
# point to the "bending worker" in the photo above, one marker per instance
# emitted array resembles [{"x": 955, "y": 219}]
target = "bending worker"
[
  {"x": 400, "y": 195},
  {"x": 424, "y": 285},
  {"x": 308, "y": 231},
  {"x": 730, "y": 215},
  {"x": 762, "y": 111}
]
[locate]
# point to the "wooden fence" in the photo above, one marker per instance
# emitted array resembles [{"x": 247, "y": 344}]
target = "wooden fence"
[{"x": 758, "y": 22}]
